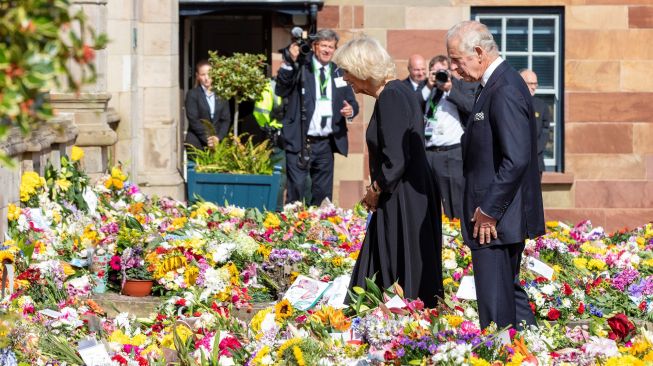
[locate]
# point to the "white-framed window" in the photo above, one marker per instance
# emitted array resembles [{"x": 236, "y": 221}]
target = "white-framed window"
[{"x": 532, "y": 38}]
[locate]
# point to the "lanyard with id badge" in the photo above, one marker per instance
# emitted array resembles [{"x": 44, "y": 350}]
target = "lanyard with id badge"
[
  {"x": 324, "y": 103},
  {"x": 432, "y": 127}
]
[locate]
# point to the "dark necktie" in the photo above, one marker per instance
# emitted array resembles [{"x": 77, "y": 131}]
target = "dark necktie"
[
  {"x": 323, "y": 93},
  {"x": 478, "y": 92}
]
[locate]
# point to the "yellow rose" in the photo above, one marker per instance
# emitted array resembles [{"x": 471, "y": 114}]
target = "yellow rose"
[{"x": 76, "y": 153}]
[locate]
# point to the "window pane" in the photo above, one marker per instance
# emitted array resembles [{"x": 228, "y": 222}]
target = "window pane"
[
  {"x": 544, "y": 67},
  {"x": 518, "y": 62},
  {"x": 543, "y": 35},
  {"x": 494, "y": 25},
  {"x": 517, "y": 35}
]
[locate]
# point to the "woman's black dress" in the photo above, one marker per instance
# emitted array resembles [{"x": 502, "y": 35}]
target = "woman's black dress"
[{"x": 403, "y": 242}]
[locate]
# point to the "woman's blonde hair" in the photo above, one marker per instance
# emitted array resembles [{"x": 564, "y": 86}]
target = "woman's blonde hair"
[{"x": 365, "y": 58}]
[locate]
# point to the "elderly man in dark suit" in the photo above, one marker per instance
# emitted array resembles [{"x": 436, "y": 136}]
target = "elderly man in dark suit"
[
  {"x": 329, "y": 102},
  {"x": 502, "y": 195},
  {"x": 203, "y": 103},
  {"x": 542, "y": 115}
]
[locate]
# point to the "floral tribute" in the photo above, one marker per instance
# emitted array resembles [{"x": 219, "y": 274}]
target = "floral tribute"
[{"x": 212, "y": 264}]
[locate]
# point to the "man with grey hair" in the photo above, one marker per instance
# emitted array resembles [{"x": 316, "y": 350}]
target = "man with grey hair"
[
  {"x": 502, "y": 204},
  {"x": 328, "y": 101},
  {"x": 416, "y": 79},
  {"x": 542, "y": 116}
]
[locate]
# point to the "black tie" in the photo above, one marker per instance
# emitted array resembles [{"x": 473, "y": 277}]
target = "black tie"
[
  {"x": 478, "y": 92},
  {"x": 323, "y": 93}
]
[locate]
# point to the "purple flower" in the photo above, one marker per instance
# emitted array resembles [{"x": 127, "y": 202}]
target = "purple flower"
[{"x": 625, "y": 278}]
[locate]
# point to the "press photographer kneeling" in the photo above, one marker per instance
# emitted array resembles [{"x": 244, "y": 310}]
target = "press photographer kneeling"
[{"x": 314, "y": 126}]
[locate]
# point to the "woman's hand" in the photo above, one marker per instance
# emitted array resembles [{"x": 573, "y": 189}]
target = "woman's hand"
[
  {"x": 213, "y": 141},
  {"x": 371, "y": 198}
]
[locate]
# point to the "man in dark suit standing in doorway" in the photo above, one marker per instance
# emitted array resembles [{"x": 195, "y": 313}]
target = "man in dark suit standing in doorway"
[
  {"x": 329, "y": 101},
  {"x": 502, "y": 196}
]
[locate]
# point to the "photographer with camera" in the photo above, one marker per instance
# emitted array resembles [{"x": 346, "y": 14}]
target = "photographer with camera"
[
  {"x": 319, "y": 104},
  {"x": 449, "y": 104}
]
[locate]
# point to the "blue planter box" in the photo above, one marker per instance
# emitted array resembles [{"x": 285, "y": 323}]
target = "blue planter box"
[{"x": 243, "y": 190}]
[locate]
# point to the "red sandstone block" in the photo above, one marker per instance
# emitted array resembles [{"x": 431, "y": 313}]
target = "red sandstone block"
[
  {"x": 351, "y": 191},
  {"x": 609, "y": 107},
  {"x": 329, "y": 17},
  {"x": 614, "y": 194},
  {"x": 428, "y": 43},
  {"x": 606, "y": 138},
  {"x": 640, "y": 16}
]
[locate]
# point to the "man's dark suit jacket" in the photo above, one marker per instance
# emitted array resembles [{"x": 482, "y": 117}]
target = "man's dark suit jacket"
[
  {"x": 291, "y": 131},
  {"x": 500, "y": 161},
  {"x": 461, "y": 95},
  {"x": 543, "y": 122},
  {"x": 197, "y": 108},
  {"x": 418, "y": 92}
]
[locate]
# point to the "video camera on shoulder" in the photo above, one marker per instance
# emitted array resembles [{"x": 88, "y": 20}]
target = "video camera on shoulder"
[{"x": 304, "y": 41}]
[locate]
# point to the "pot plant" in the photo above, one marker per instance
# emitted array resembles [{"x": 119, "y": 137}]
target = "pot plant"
[
  {"x": 136, "y": 278},
  {"x": 236, "y": 171}
]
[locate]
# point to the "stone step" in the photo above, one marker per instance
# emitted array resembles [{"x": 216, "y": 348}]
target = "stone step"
[{"x": 114, "y": 303}]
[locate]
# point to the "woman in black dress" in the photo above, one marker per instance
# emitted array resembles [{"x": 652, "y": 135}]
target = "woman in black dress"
[{"x": 404, "y": 237}]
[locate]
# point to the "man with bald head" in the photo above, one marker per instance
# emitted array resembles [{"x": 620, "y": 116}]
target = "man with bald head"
[
  {"x": 542, "y": 116},
  {"x": 502, "y": 199},
  {"x": 416, "y": 79}
]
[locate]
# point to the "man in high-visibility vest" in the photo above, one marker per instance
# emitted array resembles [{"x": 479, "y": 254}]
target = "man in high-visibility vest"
[{"x": 268, "y": 110}]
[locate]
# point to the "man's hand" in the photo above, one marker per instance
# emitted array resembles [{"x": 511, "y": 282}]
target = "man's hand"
[
  {"x": 484, "y": 227},
  {"x": 347, "y": 110},
  {"x": 293, "y": 50},
  {"x": 213, "y": 141},
  {"x": 445, "y": 87}
]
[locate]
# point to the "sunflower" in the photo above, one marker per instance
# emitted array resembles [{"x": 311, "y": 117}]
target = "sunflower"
[{"x": 283, "y": 310}]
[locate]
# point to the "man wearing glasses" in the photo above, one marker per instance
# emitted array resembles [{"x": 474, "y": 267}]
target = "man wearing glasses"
[{"x": 542, "y": 116}]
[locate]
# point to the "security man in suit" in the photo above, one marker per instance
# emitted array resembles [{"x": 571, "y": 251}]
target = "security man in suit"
[
  {"x": 502, "y": 204},
  {"x": 542, "y": 115},
  {"x": 329, "y": 102},
  {"x": 416, "y": 79}
]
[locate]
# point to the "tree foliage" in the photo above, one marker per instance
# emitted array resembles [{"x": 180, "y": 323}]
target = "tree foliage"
[
  {"x": 42, "y": 43},
  {"x": 240, "y": 77}
]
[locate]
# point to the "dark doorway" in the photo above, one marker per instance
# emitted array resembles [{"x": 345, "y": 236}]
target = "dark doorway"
[{"x": 226, "y": 34}]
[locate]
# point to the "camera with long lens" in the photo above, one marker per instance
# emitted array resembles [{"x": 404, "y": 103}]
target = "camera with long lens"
[
  {"x": 303, "y": 40},
  {"x": 442, "y": 76}
]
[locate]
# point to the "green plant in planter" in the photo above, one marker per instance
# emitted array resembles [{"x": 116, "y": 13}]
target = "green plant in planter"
[
  {"x": 237, "y": 155},
  {"x": 240, "y": 77}
]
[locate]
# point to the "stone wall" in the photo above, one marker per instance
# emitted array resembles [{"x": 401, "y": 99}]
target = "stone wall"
[{"x": 608, "y": 156}]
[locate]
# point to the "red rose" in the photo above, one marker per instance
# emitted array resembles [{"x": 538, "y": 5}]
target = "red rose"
[
  {"x": 553, "y": 314},
  {"x": 532, "y": 304},
  {"x": 642, "y": 305},
  {"x": 621, "y": 327},
  {"x": 581, "y": 308},
  {"x": 181, "y": 302},
  {"x": 567, "y": 289}
]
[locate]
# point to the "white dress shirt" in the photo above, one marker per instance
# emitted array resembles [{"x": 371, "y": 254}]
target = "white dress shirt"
[
  {"x": 447, "y": 129},
  {"x": 315, "y": 127}
]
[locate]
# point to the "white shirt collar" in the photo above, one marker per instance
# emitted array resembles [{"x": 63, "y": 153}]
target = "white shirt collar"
[
  {"x": 488, "y": 72},
  {"x": 207, "y": 93},
  {"x": 317, "y": 65},
  {"x": 415, "y": 84}
]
